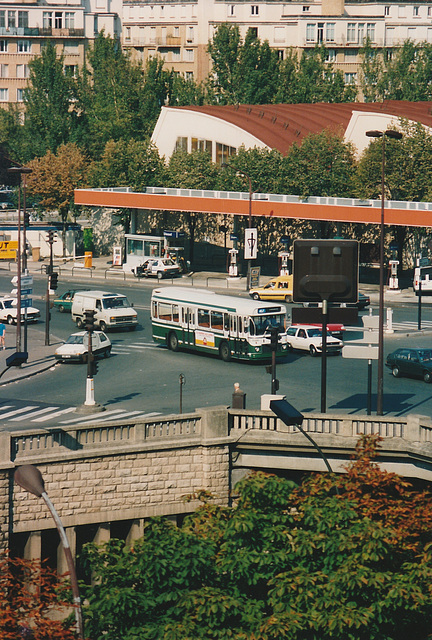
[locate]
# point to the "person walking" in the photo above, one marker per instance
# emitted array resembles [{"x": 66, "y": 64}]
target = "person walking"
[{"x": 2, "y": 335}]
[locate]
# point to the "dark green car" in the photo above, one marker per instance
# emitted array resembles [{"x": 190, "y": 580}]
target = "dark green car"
[
  {"x": 64, "y": 302},
  {"x": 411, "y": 362}
]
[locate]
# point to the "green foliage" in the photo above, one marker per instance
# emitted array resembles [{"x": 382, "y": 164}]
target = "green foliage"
[
  {"x": 51, "y": 101},
  {"x": 345, "y": 557}
]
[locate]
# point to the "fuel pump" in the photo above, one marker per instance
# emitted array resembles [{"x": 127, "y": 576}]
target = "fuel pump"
[
  {"x": 283, "y": 263},
  {"x": 232, "y": 263},
  {"x": 393, "y": 279}
]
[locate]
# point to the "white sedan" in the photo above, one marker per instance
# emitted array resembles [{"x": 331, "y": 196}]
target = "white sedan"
[
  {"x": 309, "y": 338},
  {"x": 76, "y": 347},
  {"x": 9, "y": 311}
]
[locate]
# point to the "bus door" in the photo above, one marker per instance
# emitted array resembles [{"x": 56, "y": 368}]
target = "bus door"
[
  {"x": 188, "y": 326},
  {"x": 233, "y": 321}
]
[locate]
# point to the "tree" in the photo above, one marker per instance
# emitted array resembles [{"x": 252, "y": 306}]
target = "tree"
[
  {"x": 51, "y": 102},
  {"x": 54, "y": 178},
  {"x": 31, "y": 599},
  {"x": 112, "y": 95},
  {"x": 224, "y": 50},
  {"x": 345, "y": 557}
]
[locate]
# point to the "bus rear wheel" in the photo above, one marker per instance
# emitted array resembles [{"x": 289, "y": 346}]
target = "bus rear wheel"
[
  {"x": 173, "y": 342},
  {"x": 224, "y": 351}
]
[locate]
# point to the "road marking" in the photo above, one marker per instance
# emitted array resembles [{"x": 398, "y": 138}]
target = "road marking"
[
  {"x": 87, "y": 418},
  {"x": 33, "y": 413},
  {"x": 127, "y": 414},
  {"x": 15, "y": 412},
  {"x": 55, "y": 414}
]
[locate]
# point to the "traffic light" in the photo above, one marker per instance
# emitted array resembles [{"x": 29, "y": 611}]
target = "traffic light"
[
  {"x": 274, "y": 338},
  {"x": 94, "y": 367},
  {"x": 51, "y": 237},
  {"x": 26, "y": 219},
  {"x": 89, "y": 320},
  {"x": 53, "y": 281}
]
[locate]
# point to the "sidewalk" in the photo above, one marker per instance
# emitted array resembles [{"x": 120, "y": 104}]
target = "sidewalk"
[{"x": 41, "y": 356}]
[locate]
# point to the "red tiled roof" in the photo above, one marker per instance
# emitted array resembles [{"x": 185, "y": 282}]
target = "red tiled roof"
[{"x": 280, "y": 125}]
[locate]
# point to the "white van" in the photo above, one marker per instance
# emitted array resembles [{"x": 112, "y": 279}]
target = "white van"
[{"x": 112, "y": 310}]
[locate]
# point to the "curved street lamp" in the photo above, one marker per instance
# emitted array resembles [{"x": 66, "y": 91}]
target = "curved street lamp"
[
  {"x": 396, "y": 135},
  {"x": 30, "y": 478}
]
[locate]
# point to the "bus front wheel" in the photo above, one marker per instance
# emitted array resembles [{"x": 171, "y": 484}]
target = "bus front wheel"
[
  {"x": 173, "y": 342},
  {"x": 224, "y": 351}
]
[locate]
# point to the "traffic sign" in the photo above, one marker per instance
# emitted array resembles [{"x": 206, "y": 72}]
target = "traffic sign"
[
  {"x": 360, "y": 352},
  {"x": 26, "y": 281},
  {"x": 26, "y": 292},
  {"x": 27, "y": 302},
  {"x": 251, "y": 243}
]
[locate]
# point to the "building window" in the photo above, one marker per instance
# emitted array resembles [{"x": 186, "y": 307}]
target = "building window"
[
  {"x": 310, "y": 33},
  {"x": 190, "y": 34},
  {"x": 176, "y": 32},
  {"x": 390, "y": 36},
  {"x": 4, "y": 95},
  {"x": 127, "y": 33},
  {"x": 69, "y": 20},
  {"x": 58, "y": 20},
  {"x": 350, "y": 78},
  {"x": 231, "y": 10},
  {"x": 3, "y": 46},
  {"x": 3, "y": 19},
  {"x": 152, "y": 35},
  {"x": 429, "y": 12},
  {"x": 11, "y": 20},
  {"x": 71, "y": 70},
  {"x": 23, "y": 19},
  {"x": 199, "y": 144},
  {"x": 280, "y": 54},
  {"x": 351, "y": 32},
  {"x": 387, "y": 10},
  {"x": 416, "y": 12},
  {"x": 22, "y": 71},
  {"x": 189, "y": 55},
  {"x": 189, "y": 75},
  {"x": 401, "y": 11},
  {"x": 254, "y": 10},
  {"x": 47, "y": 19},
  {"x": 223, "y": 152},
  {"x": 331, "y": 55},
  {"x": 4, "y": 71},
  {"x": 24, "y": 46},
  {"x": 95, "y": 25},
  {"x": 320, "y": 32},
  {"x": 20, "y": 95},
  {"x": 181, "y": 144},
  {"x": 360, "y": 32},
  {"x": 330, "y": 31},
  {"x": 253, "y": 31},
  {"x": 71, "y": 48},
  {"x": 176, "y": 55},
  {"x": 370, "y": 31},
  {"x": 305, "y": 8},
  {"x": 350, "y": 55},
  {"x": 412, "y": 34}
]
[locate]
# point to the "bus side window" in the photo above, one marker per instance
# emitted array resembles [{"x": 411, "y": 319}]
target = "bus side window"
[
  {"x": 233, "y": 325},
  {"x": 240, "y": 324},
  {"x": 216, "y": 320},
  {"x": 203, "y": 318},
  {"x": 226, "y": 322},
  {"x": 154, "y": 312},
  {"x": 175, "y": 313}
]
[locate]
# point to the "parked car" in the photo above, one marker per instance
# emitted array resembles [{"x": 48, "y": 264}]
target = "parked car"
[
  {"x": 64, "y": 302},
  {"x": 76, "y": 347},
  {"x": 362, "y": 302},
  {"x": 309, "y": 338},
  {"x": 411, "y": 362},
  {"x": 279, "y": 288},
  {"x": 9, "y": 311},
  {"x": 159, "y": 267}
]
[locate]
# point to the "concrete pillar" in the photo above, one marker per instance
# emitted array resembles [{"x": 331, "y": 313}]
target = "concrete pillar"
[
  {"x": 103, "y": 533},
  {"x": 33, "y": 546},
  {"x": 136, "y": 531},
  {"x": 62, "y": 566}
]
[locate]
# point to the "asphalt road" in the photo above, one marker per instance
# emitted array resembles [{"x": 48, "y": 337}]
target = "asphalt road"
[{"x": 143, "y": 379}]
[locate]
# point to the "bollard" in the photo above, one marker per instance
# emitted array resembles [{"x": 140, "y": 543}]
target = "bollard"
[
  {"x": 389, "y": 321},
  {"x": 238, "y": 397}
]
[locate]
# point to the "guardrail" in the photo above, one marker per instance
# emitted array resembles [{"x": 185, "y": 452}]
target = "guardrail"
[{"x": 113, "y": 271}]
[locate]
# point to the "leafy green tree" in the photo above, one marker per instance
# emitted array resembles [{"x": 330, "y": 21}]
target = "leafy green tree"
[
  {"x": 341, "y": 557},
  {"x": 224, "y": 50},
  {"x": 54, "y": 178},
  {"x": 257, "y": 71},
  {"x": 51, "y": 103},
  {"x": 112, "y": 94}
]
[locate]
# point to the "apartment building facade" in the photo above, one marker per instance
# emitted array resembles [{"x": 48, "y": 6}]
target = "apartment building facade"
[
  {"x": 26, "y": 26},
  {"x": 179, "y": 31}
]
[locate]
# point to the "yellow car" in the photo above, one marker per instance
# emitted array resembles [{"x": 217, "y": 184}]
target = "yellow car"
[{"x": 279, "y": 288}]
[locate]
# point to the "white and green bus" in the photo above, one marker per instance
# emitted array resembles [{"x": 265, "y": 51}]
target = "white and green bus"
[{"x": 201, "y": 320}]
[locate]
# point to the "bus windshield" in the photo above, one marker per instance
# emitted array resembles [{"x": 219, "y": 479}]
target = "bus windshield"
[{"x": 259, "y": 325}]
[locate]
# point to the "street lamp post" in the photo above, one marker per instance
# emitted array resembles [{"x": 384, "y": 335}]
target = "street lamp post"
[
  {"x": 247, "y": 176},
  {"x": 30, "y": 478},
  {"x": 396, "y": 135},
  {"x": 20, "y": 262}
]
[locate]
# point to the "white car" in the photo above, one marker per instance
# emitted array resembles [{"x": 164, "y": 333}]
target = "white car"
[
  {"x": 161, "y": 267},
  {"x": 9, "y": 311},
  {"x": 308, "y": 338},
  {"x": 76, "y": 346}
]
